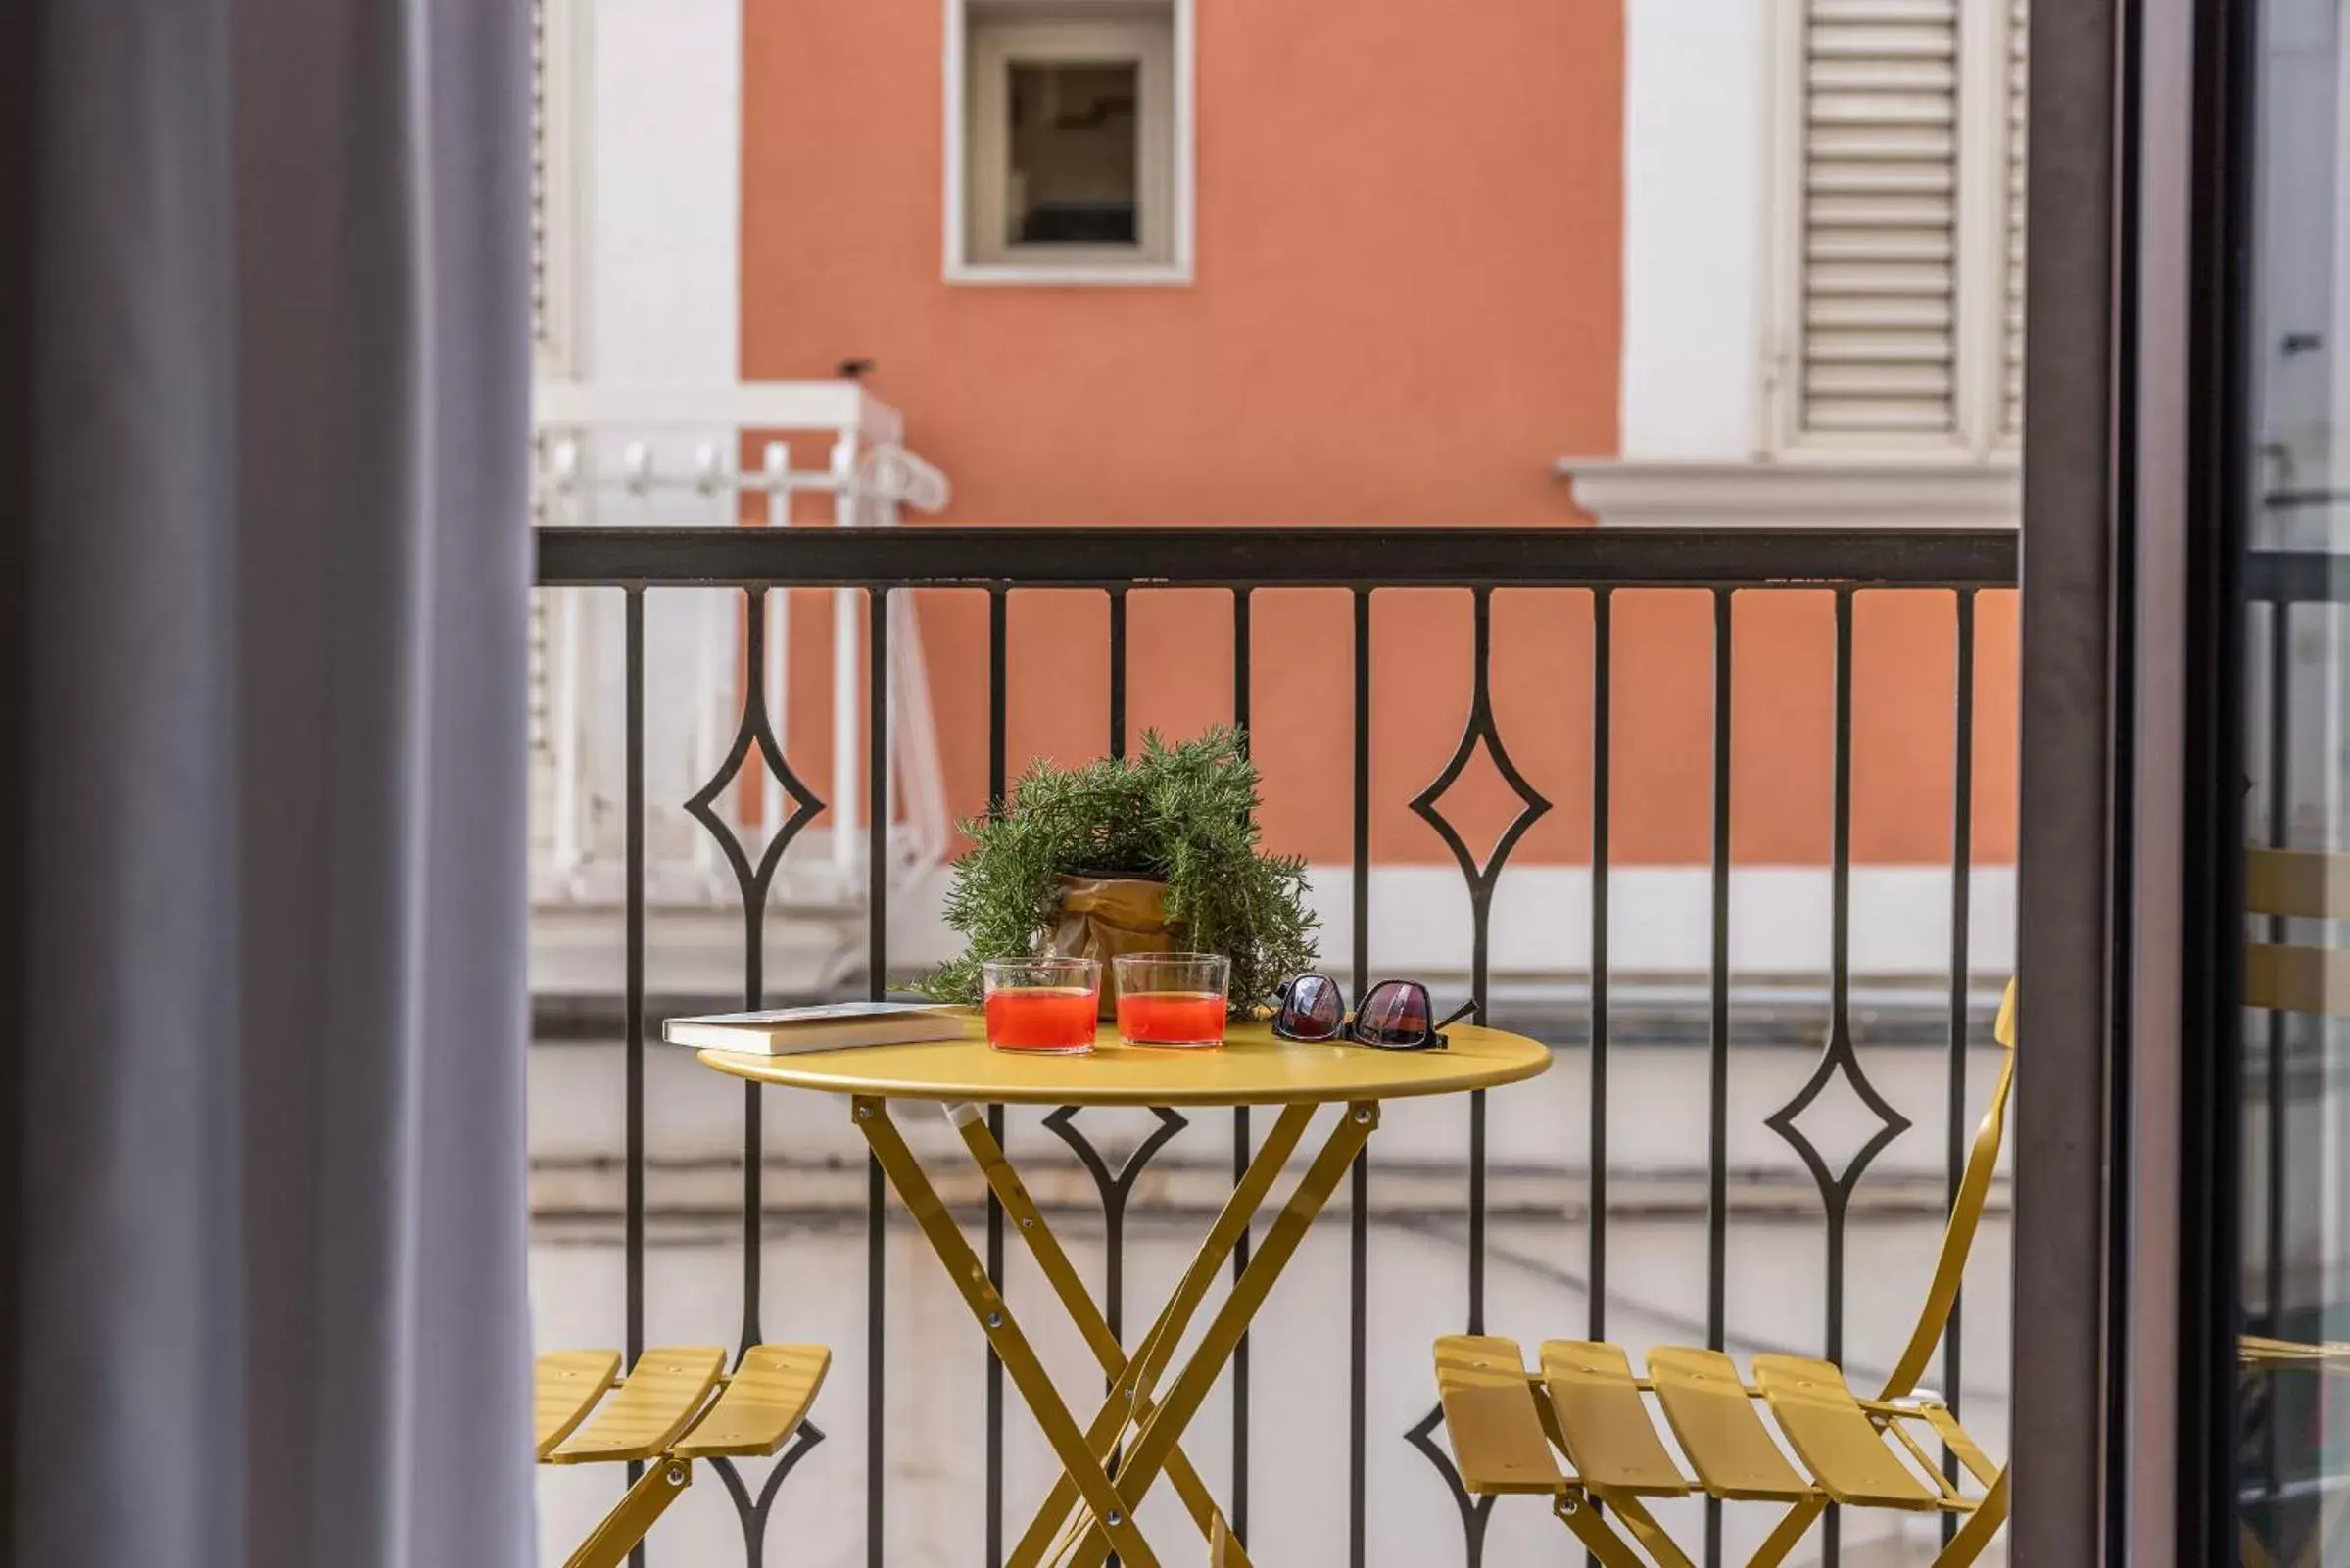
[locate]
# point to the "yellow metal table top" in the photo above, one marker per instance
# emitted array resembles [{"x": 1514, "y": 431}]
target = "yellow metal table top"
[{"x": 1253, "y": 1069}]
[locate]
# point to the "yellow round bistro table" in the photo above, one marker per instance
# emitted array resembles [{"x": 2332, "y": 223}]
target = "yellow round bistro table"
[{"x": 1108, "y": 1467}]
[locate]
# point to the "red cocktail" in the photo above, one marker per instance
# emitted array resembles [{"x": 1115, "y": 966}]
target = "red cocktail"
[
  {"x": 1045, "y": 1005},
  {"x": 1171, "y": 999}
]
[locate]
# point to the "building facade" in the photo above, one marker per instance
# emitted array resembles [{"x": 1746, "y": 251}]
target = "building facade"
[{"x": 1675, "y": 264}]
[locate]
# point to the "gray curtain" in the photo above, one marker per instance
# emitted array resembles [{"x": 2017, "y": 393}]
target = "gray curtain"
[{"x": 264, "y": 382}]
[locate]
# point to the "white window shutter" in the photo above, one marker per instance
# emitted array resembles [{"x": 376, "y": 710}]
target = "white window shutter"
[
  {"x": 2011, "y": 341},
  {"x": 1880, "y": 226}
]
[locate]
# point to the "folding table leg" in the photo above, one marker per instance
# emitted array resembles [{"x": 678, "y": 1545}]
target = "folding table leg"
[
  {"x": 1131, "y": 1377},
  {"x": 1185, "y": 1396},
  {"x": 1110, "y": 1512}
]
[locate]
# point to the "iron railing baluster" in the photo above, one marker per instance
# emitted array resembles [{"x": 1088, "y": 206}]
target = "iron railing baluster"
[
  {"x": 1962, "y": 861},
  {"x": 633, "y": 1005},
  {"x": 998, "y": 703},
  {"x": 754, "y": 990},
  {"x": 877, "y": 987},
  {"x": 1840, "y": 998},
  {"x": 1358, "y": 1215},
  {"x": 1243, "y": 1147},
  {"x": 1718, "y": 1124},
  {"x": 1595, "y": 1204},
  {"x": 1118, "y": 672},
  {"x": 2276, "y": 1032}
]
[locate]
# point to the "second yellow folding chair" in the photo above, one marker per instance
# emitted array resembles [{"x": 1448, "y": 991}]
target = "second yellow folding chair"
[
  {"x": 680, "y": 1404},
  {"x": 1577, "y": 1429}
]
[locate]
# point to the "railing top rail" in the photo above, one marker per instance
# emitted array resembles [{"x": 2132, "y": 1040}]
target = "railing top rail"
[
  {"x": 779, "y": 405},
  {"x": 2296, "y": 577},
  {"x": 1280, "y": 557}
]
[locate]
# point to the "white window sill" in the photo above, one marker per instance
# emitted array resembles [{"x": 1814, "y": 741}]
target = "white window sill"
[
  {"x": 1037, "y": 275},
  {"x": 1861, "y": 493}
]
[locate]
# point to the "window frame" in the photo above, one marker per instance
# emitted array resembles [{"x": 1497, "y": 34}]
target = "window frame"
[
  {"x": 983, "y": 38},
  {"x": 1979, "y": 266},
  {"x": 562, "y": 70}
]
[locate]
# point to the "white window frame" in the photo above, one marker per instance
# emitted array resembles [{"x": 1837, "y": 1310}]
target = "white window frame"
[
  {"x": 1979, "y": 293},
  {"x": 561, "y": 71},
  {"x": 976, "y": 160}
]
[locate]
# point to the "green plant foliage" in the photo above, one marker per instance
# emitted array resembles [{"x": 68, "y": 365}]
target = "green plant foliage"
[{"x": 1183, "y": 814}]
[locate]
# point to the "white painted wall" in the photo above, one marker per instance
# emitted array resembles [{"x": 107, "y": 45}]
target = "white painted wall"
[
  {"x": 1695, "y": 241},
  {"x": 656, "y": 141},
  {"x": 664, "y": 128}
]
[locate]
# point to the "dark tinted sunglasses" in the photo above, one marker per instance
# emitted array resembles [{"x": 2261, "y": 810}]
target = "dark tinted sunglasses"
[{"x": 1395, "y": 1014}]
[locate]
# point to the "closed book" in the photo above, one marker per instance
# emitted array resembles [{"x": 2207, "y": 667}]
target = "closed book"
[{"x": 795, "y": 1030}]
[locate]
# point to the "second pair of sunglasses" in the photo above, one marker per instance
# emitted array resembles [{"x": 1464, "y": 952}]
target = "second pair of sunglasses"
[{"x": 1395, "y": 1014}]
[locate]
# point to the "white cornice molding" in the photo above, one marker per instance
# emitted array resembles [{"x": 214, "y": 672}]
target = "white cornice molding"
[{"x": 1635, "y": 492}]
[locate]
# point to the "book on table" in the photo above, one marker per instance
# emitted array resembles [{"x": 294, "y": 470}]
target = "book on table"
[{"x": 835, "y": 1027}]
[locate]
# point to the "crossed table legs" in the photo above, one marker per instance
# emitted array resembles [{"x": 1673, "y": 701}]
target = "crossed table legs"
[{"x": 1102, "y": 1487}]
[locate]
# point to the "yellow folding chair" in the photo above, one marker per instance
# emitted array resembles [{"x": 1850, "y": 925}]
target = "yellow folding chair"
[
  {"x": 2286, "y": 976},
  {"x": 1511, "y": 1428},
  {"x": 2260, "y": 1356},
  {"x": 678, "y": 1405}
]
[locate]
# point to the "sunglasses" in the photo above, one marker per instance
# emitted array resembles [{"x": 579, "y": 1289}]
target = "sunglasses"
[{"x": 1395, "y": 1014}]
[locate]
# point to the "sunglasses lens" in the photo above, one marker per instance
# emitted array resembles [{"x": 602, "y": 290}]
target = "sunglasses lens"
[
  {"x": 1310, "y": 1009},
  {"x": 1395, "y": 1013}
]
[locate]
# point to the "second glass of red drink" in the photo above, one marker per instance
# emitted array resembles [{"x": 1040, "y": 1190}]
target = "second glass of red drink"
[{"x": 1172, "y": 999}]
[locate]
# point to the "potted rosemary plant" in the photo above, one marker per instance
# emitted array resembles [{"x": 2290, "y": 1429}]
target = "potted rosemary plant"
[{"x": 1150, "y": 853}]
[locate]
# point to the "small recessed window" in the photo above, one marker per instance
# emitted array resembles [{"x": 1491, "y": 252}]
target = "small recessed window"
[
  {"x": 1069, "y": 134},
  {"x": 1076, "y": 162}
]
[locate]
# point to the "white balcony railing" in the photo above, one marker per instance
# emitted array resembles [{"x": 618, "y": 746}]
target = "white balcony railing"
[{"x": 689, "y": 456}]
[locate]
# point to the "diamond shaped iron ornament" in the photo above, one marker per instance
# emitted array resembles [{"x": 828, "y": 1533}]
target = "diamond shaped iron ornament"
[
  {"x": 1474, "y": 1511},
  {"x": 755, "y": 730},
  {"x": 1480, "y": 730},
  {"x": 1837, "y": 1059}
]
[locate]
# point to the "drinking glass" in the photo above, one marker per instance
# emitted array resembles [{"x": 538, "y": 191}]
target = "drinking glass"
[
  {"x": 1172, "y": 999},
  {"x": 1044, "y": 1005}
]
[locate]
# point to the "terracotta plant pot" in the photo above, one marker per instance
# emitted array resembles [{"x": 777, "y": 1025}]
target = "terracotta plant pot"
[{"x": 1102, "y": 917}]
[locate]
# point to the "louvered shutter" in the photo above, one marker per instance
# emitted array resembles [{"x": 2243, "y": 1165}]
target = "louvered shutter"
[
  {"x": 2011, "y": 341},
  {"x": 1880, "y": 218}
]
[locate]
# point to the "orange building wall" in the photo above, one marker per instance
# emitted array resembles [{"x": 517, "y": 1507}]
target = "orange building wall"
[{"x": 1407, "y": 304}]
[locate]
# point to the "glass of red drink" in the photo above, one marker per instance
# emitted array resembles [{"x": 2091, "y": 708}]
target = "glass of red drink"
[
  {"x": 1172, "y": 999},
  {"x": 1048, "y": 1005}
]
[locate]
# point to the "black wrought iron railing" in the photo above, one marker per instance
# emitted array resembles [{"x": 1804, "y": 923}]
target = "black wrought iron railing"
[{"x": 1845, "y": 565}]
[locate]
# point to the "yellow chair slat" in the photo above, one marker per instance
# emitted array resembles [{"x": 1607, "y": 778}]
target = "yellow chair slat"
[
  {"x": 2297, "y": 979},
  {"x": 1604, "y": 1420},
  {"x": 1835, "y": 1437},
  {"x": 1492, "y": 1418},
  {"x": 2309, "y": 883},
  {"x": 650, "y": 1410},
  {"x": 2331, "y": 1356},
  {"x": 565, "y": 1386},
  {"x": 1954, "y": 1437},
  {"x": 1724, "y": 1441},
  {"x": 762, "y": 1404}
]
